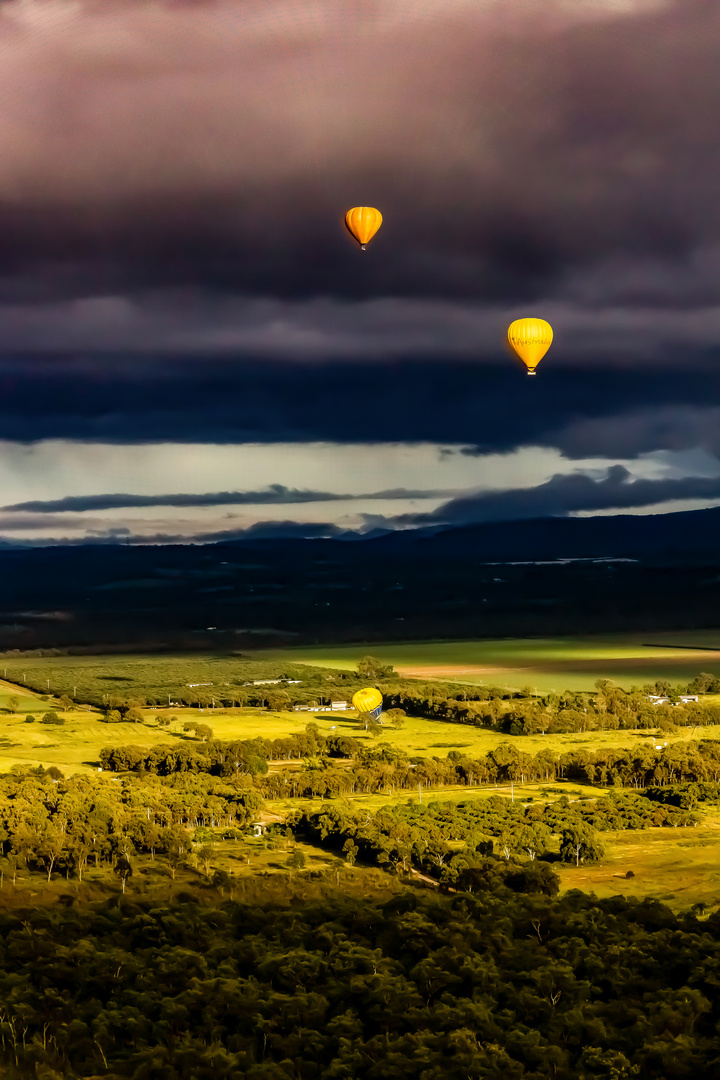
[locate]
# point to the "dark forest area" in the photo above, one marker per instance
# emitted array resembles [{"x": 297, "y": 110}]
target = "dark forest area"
[{"x": 488, "y": 985}]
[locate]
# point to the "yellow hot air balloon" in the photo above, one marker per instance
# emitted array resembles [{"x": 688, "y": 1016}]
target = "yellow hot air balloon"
[
  {"x": 368, "y": 702},
  {"x": 363, "y": 222},
  {"x": 530, "y": 339}
]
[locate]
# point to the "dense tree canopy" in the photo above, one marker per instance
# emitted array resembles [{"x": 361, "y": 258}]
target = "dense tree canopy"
[
  {"x": 50, "y": 823},
  {"x": 493, "y": 984},
  {"x": 445, "y": 838}
]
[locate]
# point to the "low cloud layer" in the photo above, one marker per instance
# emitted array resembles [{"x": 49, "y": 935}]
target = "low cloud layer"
[
  {"x": 275, "y": 494},
  {"x": 566, "y": 494},
  {"x": 68, "y": 520},
  {"x": 261, "y": 530}
]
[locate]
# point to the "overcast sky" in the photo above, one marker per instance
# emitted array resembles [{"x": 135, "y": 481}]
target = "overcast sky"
[{"x": 191, "y": 344}]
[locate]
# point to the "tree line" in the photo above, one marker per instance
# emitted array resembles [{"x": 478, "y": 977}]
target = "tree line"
[
  {"x": 227, "y": 757},
  {"x": 609, "y": 708},
  {"x": 340, "y": 766}
]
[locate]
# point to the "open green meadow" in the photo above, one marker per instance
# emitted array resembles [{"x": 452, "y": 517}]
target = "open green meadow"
[
  {"x": 160, "y": 678},
  {"x": 545, "y": 664},
  {"x": 75, "y": 745},
  {"x": 520, "y": 793},
  {"x": 679, "y": 867}
]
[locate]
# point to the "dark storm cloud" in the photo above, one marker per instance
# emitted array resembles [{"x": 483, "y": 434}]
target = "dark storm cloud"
[
  {"x": 215, "y": 146},
  {"x": 172, "y": 183},
  {"x": 274, "y": 494},
  {"x": 643, "y": 429},
  {"x": 591, "y": 412},
  {"x": 565, "y": 494},
  {"x": 181, "y": 323}
]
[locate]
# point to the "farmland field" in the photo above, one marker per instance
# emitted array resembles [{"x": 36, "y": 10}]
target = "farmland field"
[
  {"x": 159, "y": 678},
  {"x": 679, "y": 866},
  {"x": 76, "y": 745},
  {"x": 546, "y": 664}
]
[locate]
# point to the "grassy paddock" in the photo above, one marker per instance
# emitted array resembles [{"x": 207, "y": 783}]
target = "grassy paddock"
[
  {"x": 546, "y": 664},
  {"x": 75, "y": 746},
  {"x": 679, "y": 867},
  {"x": 28, "y": 702},
  {"x": 264, "y": 878},
  {"x": 162, "y": 678},
  {"x": 520, "y": 793}
]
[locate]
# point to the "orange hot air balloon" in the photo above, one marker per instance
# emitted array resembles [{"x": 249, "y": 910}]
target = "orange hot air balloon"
[
  {"x": 363, "y": 222},
  {"x": 530, "y": 339}
]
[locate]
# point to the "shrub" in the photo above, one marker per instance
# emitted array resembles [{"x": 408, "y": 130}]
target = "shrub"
[
  {"x": 221, "y": 879},
  {"x": 52, "y": 718}
]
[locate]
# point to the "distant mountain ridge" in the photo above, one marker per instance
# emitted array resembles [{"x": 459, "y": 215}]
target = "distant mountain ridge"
[
  {"x": 688, "y": 533},
  {"x": 680, "y": 533},
  {"x": 423, "y": 584}
]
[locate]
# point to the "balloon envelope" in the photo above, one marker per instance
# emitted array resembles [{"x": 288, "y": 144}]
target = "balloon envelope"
[
  {"x": 368, "y": 701},
  {"x": 530, "y": 339},
  {"x": 363, "y": 222}
]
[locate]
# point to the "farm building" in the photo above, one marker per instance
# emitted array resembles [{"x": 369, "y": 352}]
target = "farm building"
[{"x": 658, "y": 699}]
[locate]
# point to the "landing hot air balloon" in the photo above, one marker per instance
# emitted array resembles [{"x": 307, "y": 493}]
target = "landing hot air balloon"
[
  {"x": 530, "y": 339},
  {"x": 368, "y": 702},
  {"x": 363, "y": 222}
]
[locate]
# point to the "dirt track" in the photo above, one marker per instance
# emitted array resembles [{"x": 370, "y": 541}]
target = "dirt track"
[
  {"x": 436, "y": 672},
  {"x": 635, "y": 665}
]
